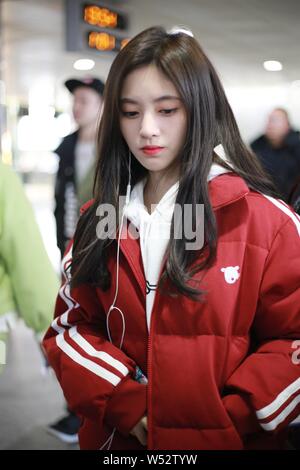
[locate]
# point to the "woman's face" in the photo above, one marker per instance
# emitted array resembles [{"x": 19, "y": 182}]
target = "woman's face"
[{"x": 153, "y": 119}]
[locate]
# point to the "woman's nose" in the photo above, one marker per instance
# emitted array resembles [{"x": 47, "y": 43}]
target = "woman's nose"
[{"x": 149, "y": 126}]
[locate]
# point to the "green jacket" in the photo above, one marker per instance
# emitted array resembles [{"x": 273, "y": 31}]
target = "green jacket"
[{"x": 28, "y": 283}]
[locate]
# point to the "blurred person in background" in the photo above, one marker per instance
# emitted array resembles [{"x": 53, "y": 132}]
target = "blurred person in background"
[
  {"x": 74, "y": 180},
  {"x": 28, "y": 283},
  {"x": 279, "y": 151}
]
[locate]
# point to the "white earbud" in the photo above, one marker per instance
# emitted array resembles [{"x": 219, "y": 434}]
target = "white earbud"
[{"x": 129, "y": 181}]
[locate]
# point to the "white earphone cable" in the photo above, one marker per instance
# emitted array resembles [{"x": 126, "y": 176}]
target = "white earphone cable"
[{"x": 109, "y": 441}]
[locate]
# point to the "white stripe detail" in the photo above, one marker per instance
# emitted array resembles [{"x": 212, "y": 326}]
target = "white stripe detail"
[
  {"x": 56, "y": 327},
  {"x": 286, "y": 210},
  {"x": 279, "y": 400},
  {"x": 281, "y": 417},
  {"x": 89, "y": 349},
  {"x": 86, "y": 363},
  {"x": 65, "y": 260},
  {"x": 64, "y": 317},
  {"x": 65, "y": 294},
  {"x": 291, "y": 208}
]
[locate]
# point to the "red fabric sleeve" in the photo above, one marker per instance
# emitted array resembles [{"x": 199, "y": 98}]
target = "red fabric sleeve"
[
  {"x": 267, "y": 384},
  {"x": 97, "y": 378}
]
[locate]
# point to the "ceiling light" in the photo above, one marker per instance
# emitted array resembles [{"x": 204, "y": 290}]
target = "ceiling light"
[
  {"x": 272, "y": 65},
  {"x": 84, "y": 64}
]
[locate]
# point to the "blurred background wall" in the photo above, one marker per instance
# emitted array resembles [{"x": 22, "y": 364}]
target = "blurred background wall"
[{"x": 238, "y": 35}]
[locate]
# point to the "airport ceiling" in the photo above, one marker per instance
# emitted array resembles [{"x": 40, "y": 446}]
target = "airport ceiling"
[{"x": 238, "y": 35}]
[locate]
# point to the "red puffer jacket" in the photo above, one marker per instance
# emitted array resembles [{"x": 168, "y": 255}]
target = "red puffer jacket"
[{"x": 223, "y": 373}]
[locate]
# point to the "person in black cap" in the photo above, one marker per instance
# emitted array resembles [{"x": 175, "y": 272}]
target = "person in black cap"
[
  {"x": 74, "y": 183},
  {"x": 76, "y": 153}
]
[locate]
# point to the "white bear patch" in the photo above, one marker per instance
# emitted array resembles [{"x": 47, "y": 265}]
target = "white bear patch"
[{"x": 231, "y": 274}]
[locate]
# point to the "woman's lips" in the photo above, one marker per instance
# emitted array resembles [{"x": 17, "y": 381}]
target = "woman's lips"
[{"x": 152, "y": 150}]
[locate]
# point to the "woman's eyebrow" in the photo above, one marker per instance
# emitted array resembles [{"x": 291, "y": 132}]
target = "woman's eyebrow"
[{"x": 156, "y": 100}]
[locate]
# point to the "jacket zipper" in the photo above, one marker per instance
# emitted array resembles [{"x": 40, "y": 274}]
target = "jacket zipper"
[{"x": 149, "y": 367}]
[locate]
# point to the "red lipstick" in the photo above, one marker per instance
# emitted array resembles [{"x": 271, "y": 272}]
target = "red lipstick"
[{"x": 152, "y": 149}]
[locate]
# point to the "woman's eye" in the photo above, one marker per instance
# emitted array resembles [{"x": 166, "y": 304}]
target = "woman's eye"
[
  {"x": 168, "y": 111},
  {"x": 130, "y": 114}
]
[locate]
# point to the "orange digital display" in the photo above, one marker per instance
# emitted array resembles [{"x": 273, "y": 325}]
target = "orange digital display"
[
  {"x": 94, "y": 26},
  {"x": 102, "y": 41},
  {"x": 101, "y": 17}
]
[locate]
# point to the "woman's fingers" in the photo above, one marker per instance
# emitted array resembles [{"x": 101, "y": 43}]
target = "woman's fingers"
[
  {"x": 140, "y": 431},
  {"x": 145, "y": 422},
  {"x": 142, "y": 435}
]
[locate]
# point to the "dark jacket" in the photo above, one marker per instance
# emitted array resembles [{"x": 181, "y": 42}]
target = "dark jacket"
[
  {"x": 65, "y": 190},
  {"x": 283, "y": 163}
]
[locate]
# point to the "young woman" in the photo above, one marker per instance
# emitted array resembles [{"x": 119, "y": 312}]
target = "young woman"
[{"x": 177, "y": 331}]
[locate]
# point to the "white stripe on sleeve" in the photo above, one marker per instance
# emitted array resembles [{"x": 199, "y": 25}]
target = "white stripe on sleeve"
[
  {"x": 279, "y": 400},
  {"x": 89, "y": 349},
  {"x": 286, "y": 210},
  {"x": 65, "y": 294},
  {"x": 281, "y": 417},
  {"x": 86, "y": 363}
]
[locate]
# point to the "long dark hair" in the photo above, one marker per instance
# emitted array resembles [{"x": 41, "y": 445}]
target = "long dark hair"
[{"x": 210, "y": 122}]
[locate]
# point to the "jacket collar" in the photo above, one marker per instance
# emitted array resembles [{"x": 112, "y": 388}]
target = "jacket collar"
[
  {"x": 226, "y": 189},
  {"x": 223, "y": 190}
]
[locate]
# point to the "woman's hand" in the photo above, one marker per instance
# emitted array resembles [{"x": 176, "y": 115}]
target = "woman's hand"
[{"x": 140, "y": 431}]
